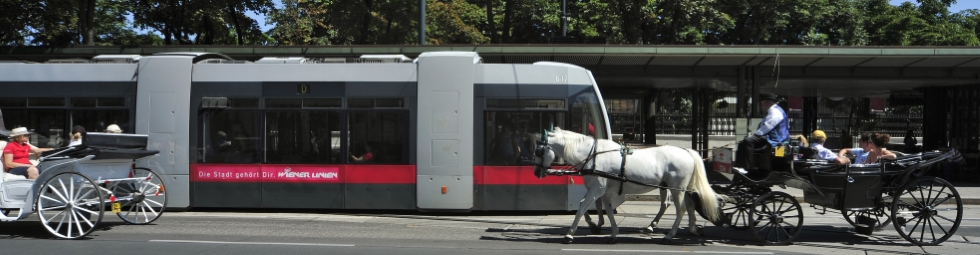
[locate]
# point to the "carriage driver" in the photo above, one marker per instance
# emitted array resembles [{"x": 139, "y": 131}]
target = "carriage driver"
[{"x": 773, "y": 130}]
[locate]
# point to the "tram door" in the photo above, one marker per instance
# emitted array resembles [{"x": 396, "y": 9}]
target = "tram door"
[
  {"x": 445, "y": 131},
  {"x": 162, "y": 114}
]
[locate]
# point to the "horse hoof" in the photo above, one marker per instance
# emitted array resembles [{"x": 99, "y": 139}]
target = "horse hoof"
[
  {"x": 568, "y": 240},
  {"x": 666, "y": 241},
  {"x": 648, "y": 230},
  {"x": 700, "y": 231},
  {"x": 611, "y": 241},
  {"x": 596, "y": 230}
]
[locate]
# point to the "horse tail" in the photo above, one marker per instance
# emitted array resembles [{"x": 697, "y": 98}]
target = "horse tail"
[{"x": 699, "y": 183}]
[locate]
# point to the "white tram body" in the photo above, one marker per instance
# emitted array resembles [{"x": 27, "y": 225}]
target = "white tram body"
[{"x": 441, "y": 132}]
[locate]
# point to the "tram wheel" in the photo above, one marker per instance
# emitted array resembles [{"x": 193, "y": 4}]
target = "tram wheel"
[
  {"x": 925, "y": 207},
  {"x": 777, "y": 218}
]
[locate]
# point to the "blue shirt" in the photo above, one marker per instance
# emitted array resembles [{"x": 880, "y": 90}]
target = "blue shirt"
[
  {"x": 859, "y": 155},
  {"x": 824, "y": 153},
  {"x": 775, "y": 127}
]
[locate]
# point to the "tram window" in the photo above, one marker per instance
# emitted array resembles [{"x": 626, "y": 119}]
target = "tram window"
[
  {"x": 98, "y": 120},
  {"x": 97, "y": 102},
  {"x": 585, "y": 111},
  {"x": 283, "y": 103},
  {"x": 496, "y": 103},
  {"x": 243, "y": 102},
  {"x": 13, "y": 102},
  {"x": 230, "y": 136},
  {"x": 111, "y": 102},
  {"x": 83, "y": 102},
  {"x": 509, "y": 137},
  {"x": 303, "y": 137},
  {"x": 382, "y": 133},
  {"x": 321, "y": 103},
  {"x": 45, "y": 101},
  {"x": 46, "y": 126},
  {"x": 360, "y": 103},
  {"x": 389, "y": 103}
]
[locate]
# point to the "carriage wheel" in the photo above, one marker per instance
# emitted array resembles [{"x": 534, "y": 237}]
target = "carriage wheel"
[
  {"x": 926, "y": 207},
  {"x": 879, "y": 215},
  {"x": 148, "y": 197},
  {"x": 70, "y": 205},
  {"x": 778, "y": 218},
  {"x": 738, "y": 212}
]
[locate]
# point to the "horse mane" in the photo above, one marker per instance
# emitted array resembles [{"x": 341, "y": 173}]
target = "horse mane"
[{"x": 571, "y": 142}]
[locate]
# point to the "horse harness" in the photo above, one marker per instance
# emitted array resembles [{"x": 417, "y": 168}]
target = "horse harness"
[{"x": 623, "y": 152}]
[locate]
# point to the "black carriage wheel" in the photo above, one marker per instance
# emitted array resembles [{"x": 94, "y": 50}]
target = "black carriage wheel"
[
  {"x": 738, "y": 212},
  {"x": 145, "y": 200},
  {"x": 927, "y": 211},
  {"x": 880, "y": 216},
  {"x": 778, "y": 218}
]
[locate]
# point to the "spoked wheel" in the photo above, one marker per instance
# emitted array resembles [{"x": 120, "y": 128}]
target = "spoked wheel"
[
  {"x": 738, "y": 212},
  {"x": 878, "y": 216},
  {"x": 778, "y": 218},
  {"x": 70, "y": 205},
  {"x": 141, "y": 202},
  {"x": 927, "y": 211}
]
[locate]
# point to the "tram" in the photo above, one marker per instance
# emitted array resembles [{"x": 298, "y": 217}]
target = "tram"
[{"x": 441, "y": 132}]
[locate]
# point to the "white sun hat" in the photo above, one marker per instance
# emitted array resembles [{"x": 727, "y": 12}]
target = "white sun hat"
[{"x": 19, "y": 131}]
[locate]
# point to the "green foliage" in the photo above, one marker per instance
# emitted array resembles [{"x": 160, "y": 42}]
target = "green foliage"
[{"x": 395, "y": 22}]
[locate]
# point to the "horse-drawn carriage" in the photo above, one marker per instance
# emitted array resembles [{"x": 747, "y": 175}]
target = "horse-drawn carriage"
[
  {"x": 78, "y": 183},
  {"x": 925, "y": 210}
]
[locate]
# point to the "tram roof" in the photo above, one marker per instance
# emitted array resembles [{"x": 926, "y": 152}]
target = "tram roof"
[{"x": 799, "y": 70}]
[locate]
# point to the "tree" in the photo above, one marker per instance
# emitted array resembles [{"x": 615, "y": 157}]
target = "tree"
[{"x": 201, "y": 21}]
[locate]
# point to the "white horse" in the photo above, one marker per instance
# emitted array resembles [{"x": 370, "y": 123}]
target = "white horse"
[{"x": 673, "y": 167}]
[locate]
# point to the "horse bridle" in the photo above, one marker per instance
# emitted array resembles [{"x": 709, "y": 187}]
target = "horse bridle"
[{"x": 542, "y": 145}]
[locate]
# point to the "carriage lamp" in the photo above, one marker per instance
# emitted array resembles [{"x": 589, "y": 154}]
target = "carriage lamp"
[{"x": 444, "y": 189}]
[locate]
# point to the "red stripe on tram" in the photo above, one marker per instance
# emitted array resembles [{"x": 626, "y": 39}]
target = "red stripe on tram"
[
  {"x": 303, "y": 173},
  {"x": 513, "y": 175}
]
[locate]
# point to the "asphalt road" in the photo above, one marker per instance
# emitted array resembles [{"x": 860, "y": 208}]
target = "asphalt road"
[{"x": 346, "y": 232}]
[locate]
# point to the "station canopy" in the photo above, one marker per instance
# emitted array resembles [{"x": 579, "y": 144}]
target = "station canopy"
[{"x": 786, "y": 70}]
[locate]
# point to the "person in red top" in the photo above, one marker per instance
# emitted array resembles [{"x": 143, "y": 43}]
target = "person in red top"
[
  {"x": 17, "y": 152},
  {"x": 366, "y": 157}
]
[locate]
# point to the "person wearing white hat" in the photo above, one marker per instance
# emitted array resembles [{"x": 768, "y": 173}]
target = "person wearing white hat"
[
  {"x": 16, "y": 155},
  {"x": 113, "y": 129}
]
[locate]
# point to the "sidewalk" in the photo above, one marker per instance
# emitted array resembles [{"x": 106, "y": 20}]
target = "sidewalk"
[{"x": 969, "y": 193}]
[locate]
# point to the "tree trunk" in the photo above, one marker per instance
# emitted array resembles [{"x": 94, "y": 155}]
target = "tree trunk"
[
  {"x": 508, "y": 12},
  {"x": 628, "y": 19},
  {"x": 238, "y": 27},
  {"x": 86, "y": 17},
  {"x": 365, "y": 23},
  {"x": 491, "y": 26}
]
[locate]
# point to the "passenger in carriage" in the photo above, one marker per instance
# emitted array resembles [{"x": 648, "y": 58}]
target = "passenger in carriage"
[
  {"x": 17, "y": 153},
  {"x": 873, "y": 150},
  {"x": 860, "y": 153},
  {"x": 816, "y": 142},
  {"x": 77, "y": 133},
  {"x": 772, "y": 131},
  {"x": 113, "y": 129}
]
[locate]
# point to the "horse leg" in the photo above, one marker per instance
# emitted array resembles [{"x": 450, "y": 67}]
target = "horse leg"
[
  {"x": 664, "y": 204},
  {"x": 590, "y": 197},
  {"x": 680, "y": 207},
  {"x": 693, "y": 225},
  {"x": 612, "y": 219},
  {"x": 596, "y": 228}
]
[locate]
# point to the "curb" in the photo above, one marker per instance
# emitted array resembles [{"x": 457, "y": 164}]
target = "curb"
[{"x": 645, "y": 197}]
